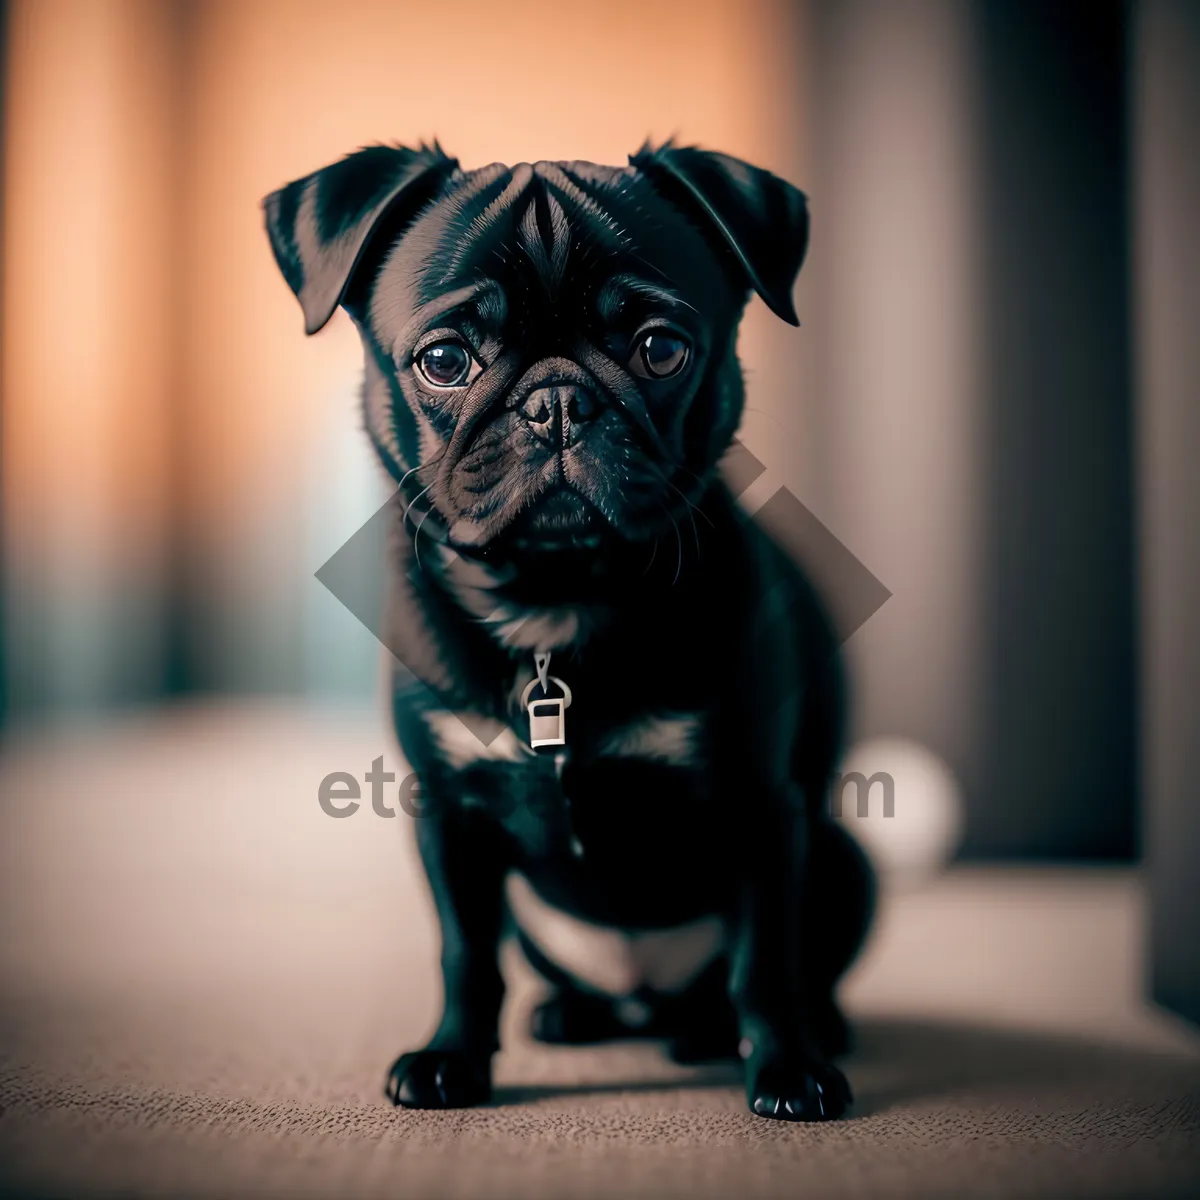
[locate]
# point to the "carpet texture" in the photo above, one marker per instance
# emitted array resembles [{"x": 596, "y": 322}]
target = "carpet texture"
[{"x": 203, "y": 978}]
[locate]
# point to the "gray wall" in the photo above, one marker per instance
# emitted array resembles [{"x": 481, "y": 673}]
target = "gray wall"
[
  {"x": 894, "y": 325},
  {"x": 970, "y": 250},
  {"x": 1167, "y": 116},
  {"x": 1060, "y": 752},
  {"x": 956, "y": 410}
]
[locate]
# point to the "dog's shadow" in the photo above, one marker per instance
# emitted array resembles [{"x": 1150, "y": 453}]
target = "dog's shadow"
[
  {"x": 897, "y": 1063},
  {"x": 902, "y": 1062},
  {"x": 715, "y": 1075}
]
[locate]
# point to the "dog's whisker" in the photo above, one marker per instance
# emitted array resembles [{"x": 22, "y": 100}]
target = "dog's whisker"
[
  {"x": 653, "y": 552},
  {"x": 700, "y": 481},
  {"x": 414, "y": 470},
  {"x": 417, "y": 537},
  {"x": 409, "y": 506},
  {"x": 432, "y": 462},
  {"x": 692, "y": 508},
  {"x": 678, "y": 543}
]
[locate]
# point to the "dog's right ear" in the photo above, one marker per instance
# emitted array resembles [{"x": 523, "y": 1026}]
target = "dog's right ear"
[{"x": 321, "y": 225}]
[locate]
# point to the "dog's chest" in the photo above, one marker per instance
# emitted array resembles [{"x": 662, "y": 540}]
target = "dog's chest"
[
  {"x": 621, "y": 795},
  {"x": 671, "y": 738}
]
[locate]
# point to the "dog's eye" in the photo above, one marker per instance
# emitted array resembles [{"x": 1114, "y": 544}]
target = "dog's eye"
[
  {"x": 659, "y": 355},
  {"x": 446, "y": 364}
]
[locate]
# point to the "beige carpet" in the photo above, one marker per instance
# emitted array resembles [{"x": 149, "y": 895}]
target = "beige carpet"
[{"x": 202, "y": 978}]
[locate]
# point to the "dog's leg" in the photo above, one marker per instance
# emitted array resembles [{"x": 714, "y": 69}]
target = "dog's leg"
[
  {"x": 788, "y": 1075},
  {"x": 465, "y": 861},
  {"x": 838, "y": 902},
  {"x": 700, "y": 1023}
]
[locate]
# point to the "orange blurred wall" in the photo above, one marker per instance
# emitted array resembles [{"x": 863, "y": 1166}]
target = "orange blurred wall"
[{"x": 89, "y": 284}]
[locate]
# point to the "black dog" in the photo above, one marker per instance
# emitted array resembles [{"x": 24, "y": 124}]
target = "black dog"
[{"x": 551, "y": 379}]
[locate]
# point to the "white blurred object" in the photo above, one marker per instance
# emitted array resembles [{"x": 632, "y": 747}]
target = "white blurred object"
[{"x": 923, "y": 829}]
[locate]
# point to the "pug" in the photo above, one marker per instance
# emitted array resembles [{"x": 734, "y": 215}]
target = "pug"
[{"x": 623, "y": 701}]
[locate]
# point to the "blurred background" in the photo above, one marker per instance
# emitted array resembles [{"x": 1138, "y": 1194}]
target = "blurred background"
[
  {"x": 991, "y": 186},
  {"x": 958, "y": 407},
  {"x": 992, "y": 401}
]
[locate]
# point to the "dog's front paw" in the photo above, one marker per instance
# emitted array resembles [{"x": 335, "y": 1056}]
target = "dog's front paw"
[
  {"x": 434, "y": 1078},
  {"x": 797, "y": 1088}
]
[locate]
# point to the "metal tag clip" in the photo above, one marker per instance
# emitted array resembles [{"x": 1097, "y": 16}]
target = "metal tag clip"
[{"x": 547, "y": 716}]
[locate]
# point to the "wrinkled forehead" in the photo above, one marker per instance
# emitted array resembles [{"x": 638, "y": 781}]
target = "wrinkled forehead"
[{"x": 546, "y": 233}]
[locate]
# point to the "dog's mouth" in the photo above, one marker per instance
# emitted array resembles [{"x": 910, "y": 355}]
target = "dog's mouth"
[
  {"x": 562, "y": 551},
  {"x": 560, "y": 520}
]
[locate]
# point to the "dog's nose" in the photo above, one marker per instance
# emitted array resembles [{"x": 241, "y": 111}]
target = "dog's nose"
[{"x": 556, "y": 411}]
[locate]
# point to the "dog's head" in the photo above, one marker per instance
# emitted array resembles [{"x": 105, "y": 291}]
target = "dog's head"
[{"x": 551, "y": 347}]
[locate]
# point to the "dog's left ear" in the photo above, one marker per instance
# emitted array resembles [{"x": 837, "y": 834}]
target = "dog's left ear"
[
  {"x": 320, "y": 226},
  {"x": 760, "y": 217}
]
